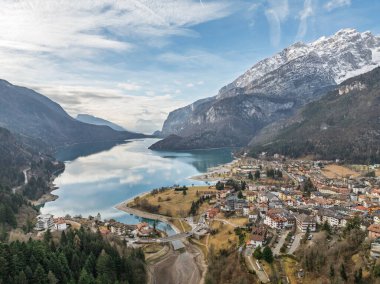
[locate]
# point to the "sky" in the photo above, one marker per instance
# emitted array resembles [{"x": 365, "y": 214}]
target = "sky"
[{"x": 134, "y": 61}]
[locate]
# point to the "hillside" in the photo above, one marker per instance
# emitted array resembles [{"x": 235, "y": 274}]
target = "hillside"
[
  {"x": 31, "y": 114},
  {"x": 90, "y": 119},
  {"x": 272, "y": 90},
  {"x": 344, "y": 124}
]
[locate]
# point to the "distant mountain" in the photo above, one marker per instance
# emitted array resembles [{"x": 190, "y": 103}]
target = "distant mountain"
[
  {"x": 271, "y": 91},
  {"x": 344, "y": 124},
  {"x": 87, "y": 118},
  {"x": 31, "y": 114}
]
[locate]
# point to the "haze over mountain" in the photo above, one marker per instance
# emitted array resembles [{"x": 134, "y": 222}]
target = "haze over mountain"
[
  {"x": 90, "y": 119},
  {"x": 31, "y": 114},
  {"x": 271, "y": 91},
  {"x": 344, "y": 124}
]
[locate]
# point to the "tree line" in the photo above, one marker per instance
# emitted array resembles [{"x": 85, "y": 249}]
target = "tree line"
[{"x": 77, "y": 257}]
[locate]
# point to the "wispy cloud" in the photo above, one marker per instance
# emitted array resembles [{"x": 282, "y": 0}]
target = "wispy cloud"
[
  {"x": 276, "y": 13},
  {"x": 79, "y": 52},
  {"x": 334, "y": 4},
  {"x": 304, "y": 15}
]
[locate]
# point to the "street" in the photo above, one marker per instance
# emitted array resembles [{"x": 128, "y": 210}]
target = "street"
[{"x": 281, "y": 241}]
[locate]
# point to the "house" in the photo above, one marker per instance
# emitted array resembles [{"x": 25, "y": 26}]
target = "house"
[
  {"x": 44, "y": 222},
  {"x": 306, "y": 221},
  {"x": 212, "y": 212},
  {"x": 333, "y": 218},
  {"x": 143, "y": 230},
  {"x": 257, "y": 237},
  {"x": 251, "y": 196},
  {"x": 60, "y": 224},
  {"x": 374, "y": 231}
]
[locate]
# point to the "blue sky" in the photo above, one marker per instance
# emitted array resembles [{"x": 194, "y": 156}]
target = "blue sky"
[{"x": 133, "y": 61}]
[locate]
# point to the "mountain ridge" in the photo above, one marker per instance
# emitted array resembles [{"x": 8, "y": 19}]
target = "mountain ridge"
[
  {"x": 30, "y": 114},
  {"x": 297, "y": 75}
]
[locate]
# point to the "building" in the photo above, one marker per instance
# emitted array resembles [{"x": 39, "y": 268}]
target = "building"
[
  {"x": 334, "y": 219},
  {"x": 60, "y": 224},
  {"x": 305, "y": 221},
  {"x": 279, "y": 219},
  {"x": 44, "y": 222},
  {"x": 212, "y": 212},
  {"x": 257, "y": 237},
  {"x": 374, "y": 231}
]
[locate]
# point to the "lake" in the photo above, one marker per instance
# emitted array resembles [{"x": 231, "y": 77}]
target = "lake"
[{"x": 99, "y": 176}]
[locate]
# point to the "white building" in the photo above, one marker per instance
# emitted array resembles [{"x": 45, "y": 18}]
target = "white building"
[
  {"x": 60, "y": 224},
  {"x": 304, "y": 221},
  {"x": 44, "y": 222}
]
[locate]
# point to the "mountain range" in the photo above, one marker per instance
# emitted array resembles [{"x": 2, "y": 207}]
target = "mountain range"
[
  {"x": 270, "y": 92},
  {"x": 90, "y": 119},
  {"x": 32, "y": 115}
]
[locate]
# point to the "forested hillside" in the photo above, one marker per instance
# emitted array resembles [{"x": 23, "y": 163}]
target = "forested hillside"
[
  {"x": 77, "y": 257},
  {"x": 344, "y": 124}
]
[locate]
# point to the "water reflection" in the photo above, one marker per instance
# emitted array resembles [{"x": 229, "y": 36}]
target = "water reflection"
[{"x": 96, "y": 182}]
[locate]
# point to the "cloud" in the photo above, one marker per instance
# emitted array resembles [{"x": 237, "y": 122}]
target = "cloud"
[
  {"x": 276, "y": 13},
  {"x": 334, "y": 4},
  {"x": 304, "y": 15},
  {"x": 129, "y": 86},
  {"x": 80, "y": 53},
  {"x": 142, "y": 113}
]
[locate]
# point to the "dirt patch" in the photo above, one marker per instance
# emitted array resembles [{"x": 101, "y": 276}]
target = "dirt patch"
[{"x": 336, "y": 171}]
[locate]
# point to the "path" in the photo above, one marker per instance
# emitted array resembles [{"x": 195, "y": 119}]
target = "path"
[
  {"x": 226, "y": 222},
  {"x": 263, "y": 277},
  {"x": 296, "y": 243}
]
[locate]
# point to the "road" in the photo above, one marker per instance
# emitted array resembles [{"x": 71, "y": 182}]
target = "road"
[
  {"x": 296, "y": 243},
  {"x": 259, "y": 272},
  {"x": 276, "y": 250}
]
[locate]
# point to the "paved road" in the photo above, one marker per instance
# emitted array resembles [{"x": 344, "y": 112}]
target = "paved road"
[
  {"x": 276, "y": 250},
  {"x": 259, "y": 272},
  {"x": 296, "y": 243}
]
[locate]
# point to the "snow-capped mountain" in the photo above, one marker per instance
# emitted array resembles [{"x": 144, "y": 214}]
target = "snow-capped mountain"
[
  {"x": 345, "y": 54},
  {"x": 272, "y": 90}
]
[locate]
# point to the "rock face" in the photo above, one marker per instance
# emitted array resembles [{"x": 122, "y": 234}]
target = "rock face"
[
  {"x": 25, "y": 112},
  {"x": 344, "y": 124},
  {"x": 272, "y": 90}
]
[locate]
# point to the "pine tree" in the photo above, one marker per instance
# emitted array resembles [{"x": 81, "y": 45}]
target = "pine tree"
[
  {"x": 343, "y": 273},
  {"x": 51, "y": 278},
  {"x": 39, "y": 276},
  {"x": 85, "y": 278},
  {"x": 267, "y": 254}
]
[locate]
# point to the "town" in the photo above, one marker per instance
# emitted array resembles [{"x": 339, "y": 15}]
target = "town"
[{"x": 269, "y": 209}]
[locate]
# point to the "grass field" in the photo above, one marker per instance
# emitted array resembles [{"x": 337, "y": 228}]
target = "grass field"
[
  {"x": 223, "y": 239},
  {"x": 174, "y": 203},
  {"x": 336, "y": 171},
  {"x": 290, "y": 267}
]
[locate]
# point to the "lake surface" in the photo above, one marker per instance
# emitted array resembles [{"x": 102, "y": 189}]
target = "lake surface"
[{"x": 99, "y": 176}]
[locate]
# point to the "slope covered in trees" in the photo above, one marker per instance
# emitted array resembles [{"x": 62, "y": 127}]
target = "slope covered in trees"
[
  {"x": 344, "y": 124},
  {"x": 78, "y": 257}
]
